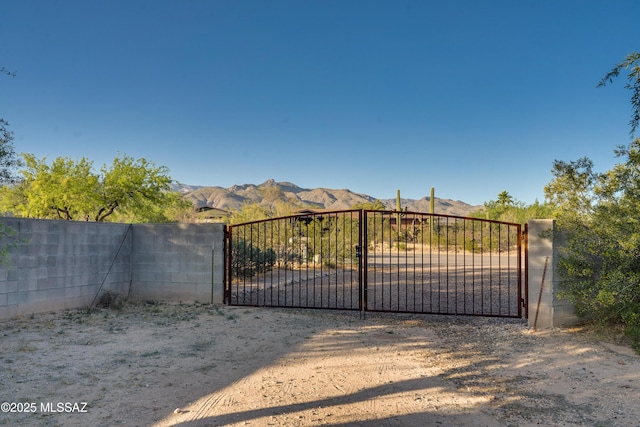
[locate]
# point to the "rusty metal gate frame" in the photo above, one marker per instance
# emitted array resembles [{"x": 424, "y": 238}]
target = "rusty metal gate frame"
[{"x": 370, "y": 260}]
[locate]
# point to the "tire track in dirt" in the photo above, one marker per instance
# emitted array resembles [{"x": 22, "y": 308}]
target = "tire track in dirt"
[{"x": 339, "y": 377}]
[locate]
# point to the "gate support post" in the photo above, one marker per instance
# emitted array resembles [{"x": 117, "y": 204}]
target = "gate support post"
[{"x": 546, "y": 308}]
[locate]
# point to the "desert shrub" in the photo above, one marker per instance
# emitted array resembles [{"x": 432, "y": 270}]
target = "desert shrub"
[
  {"x": 600, "y": 262},
  {"x": 248, "y": 260},
  {"x": 110, "y": 300}
]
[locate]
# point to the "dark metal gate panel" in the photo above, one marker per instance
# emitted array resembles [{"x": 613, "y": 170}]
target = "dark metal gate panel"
[
  {"x": 424, "y": 263},
  {"x": 378, "y": 261},
  {"x": 305, "y": 261}
]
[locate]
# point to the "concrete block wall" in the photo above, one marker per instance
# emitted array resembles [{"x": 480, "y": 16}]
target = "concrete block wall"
[
  {"x": 546, "y": 308},
  {"x": 55, "y": 265},
  {"x": 178, "y": 262}
]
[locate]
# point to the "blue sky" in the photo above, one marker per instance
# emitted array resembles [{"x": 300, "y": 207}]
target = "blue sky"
[{"x": 470, "y": 97}]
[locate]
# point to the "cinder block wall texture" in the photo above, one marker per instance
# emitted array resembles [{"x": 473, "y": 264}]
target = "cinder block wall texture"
[
  {"x": 546, "y": 308},
  {"x": 178, "y": 262},
  {"x": 56, "y": 265}
]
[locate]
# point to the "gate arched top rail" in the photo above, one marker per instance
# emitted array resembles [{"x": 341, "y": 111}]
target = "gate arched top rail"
[
  {"x": 316, "y": 213},
  {"x": 469, "y": 218},
  {"x": 320, "y": 212}
]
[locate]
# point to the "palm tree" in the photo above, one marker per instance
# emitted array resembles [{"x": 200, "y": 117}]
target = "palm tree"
[{"x": 505, "y": 199}]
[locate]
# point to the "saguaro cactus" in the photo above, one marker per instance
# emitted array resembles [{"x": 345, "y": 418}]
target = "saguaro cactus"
[
  {"x": 432, "y": 201},
  {"x": 398, "y": 216},
  {"x": 432, "y": 207}
]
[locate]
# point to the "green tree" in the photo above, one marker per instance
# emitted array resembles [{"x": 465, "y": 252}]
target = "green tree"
[
  {"x": 571, "y": 191},
  {"x": 507, "y": 209},
  {"x": 632, "y": 64},
  {"x": 137, "y": 190},
  {"x": 504, "y": 198},
  {"x": 9, "y": 161},
  {"x": 8, "y": 158},
  {"x": 250, "y": 212},
  {"x": 600, "y": 265},
  {"x": 134, "y": 187}
]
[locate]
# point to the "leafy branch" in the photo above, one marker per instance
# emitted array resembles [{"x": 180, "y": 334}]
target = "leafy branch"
[{"x": 631, "y": 63}]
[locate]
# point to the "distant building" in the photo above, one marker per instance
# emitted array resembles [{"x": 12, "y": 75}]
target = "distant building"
[{"x": 207, "y": 214}]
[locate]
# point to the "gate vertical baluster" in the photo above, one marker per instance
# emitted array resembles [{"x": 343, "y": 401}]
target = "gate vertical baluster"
[
  {"x": 464, "y": 263},
  {"x": 337, "y": 258},
  {"x": 306, "y": 262},
  {"x": 390, "y": 290},
  {"x": 397, "y": 286},
  {"x": 379, "y": 289},
  {"x": 276, "y": 253},
  {"x": 454, "y": 270},
  {"x": 279, "y": 257},
  {"x": 363, "y": 263},
  {"x": 500, "y": 247},
  {"x": 285, "y": 249},
  {"x": 375, "y": 262},
  {"x": 241, "y": 271},
  {"x": 446, "y": 236},
  {"x": 431, "y": 224},
  {"x": 439, "y": 269},
  {"x": 267, "y": 230},
  {"x": 421, "y": 240},
  {"x": 248, "y": 256},
  {"x": 312, "y": 244},
  {"x": 422, "y": 261},
  {"x": 262, "y": 245},
  {"x": 300, "y": 258},
  {"x": 413, "y": 266},
  {"x": 473, "y": 266},
  {"x": 491, "y": 267},
  {"x": 320, "y": 231},
  {"x": 229, "y": 252},
  {"x": 254, "y": 237},
  {"x": 413, "y": 242},
  {"x": 499, "y": 262},
  {"x": 455, "y": 262},
  {"x": 357, "y": 229},
  {"x": 509, "y": 270},
  {"x": 378, "y": 259},
  {"x": 348, "y": 252},
  {"x": 311, "y": 290},
  {"x": 343, "y": 264},
  {"x": 523, "y": 246},
  {"x": 482, "y": 254},
  {"x": 413, "y": 251}
]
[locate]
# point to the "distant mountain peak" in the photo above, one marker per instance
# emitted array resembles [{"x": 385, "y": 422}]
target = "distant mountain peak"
[{"x": 234, "y": 197}]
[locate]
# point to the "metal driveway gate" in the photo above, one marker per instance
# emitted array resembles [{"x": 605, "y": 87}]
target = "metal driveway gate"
[{"x": 378, "y": 261}]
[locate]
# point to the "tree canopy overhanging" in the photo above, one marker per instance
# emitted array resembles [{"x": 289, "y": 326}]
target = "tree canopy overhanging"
[{"x": 135, "y": 189}]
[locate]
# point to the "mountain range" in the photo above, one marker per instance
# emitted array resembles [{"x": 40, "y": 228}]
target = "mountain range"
[{"x": 270, "y": 191}]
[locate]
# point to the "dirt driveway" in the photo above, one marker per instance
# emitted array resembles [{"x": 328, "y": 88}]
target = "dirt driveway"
[{"x": 200, "y": 365}]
